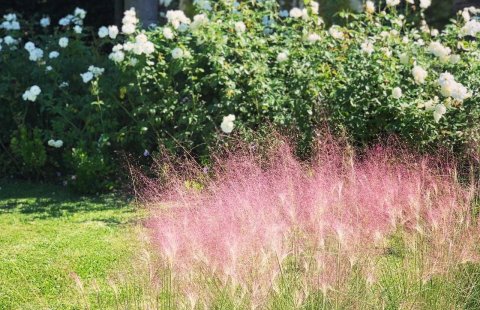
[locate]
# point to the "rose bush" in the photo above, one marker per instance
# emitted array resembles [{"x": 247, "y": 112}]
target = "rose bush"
[
  {"x": 81, "y": 95},
  {"x": 45, "y": 99}
]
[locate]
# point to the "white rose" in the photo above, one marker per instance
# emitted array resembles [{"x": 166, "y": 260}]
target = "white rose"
[
  {"x": 87, "y": 76},
  {"x": 370, "y": 7},
  {"x": 168, "y": 33},
  {"x": 103, "y": 32},
  {"x": 45, "y": 22},
  {"x": 29, "y": 46},
  {"x": 419, "y": 74},
  {"x": 313, "y": 37},
  {"x": 296, "y": 13},
  {"x": 227, "y": 124},
  {"x": 53, "y": 54},
  {"x": 425, "y": 4},
  {"x": 128, "y": 28},
  {"x": 397, "y": 93},
  {"x": 393, "y": 2},
  {"x": 336, "y": 32},
  {"x": 112, "y": 31},
  {"x": 80, "y": 13},
  {"x": 35, "y": 90},
  {"x": 240, "y": 27},
  {"x": 283, "y": 56},
  {"x": 177, "y": 53},
  {"x": 58, "y": 144},
  {"x": 63, "y": 42},
  {"x": 367, "y": 47},
  {"x": 117, "y": 56}
]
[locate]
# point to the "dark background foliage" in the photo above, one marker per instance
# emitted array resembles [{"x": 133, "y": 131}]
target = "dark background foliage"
[
  {"x": 103, "y": 12},
  {"x": 100, "y": 12}
]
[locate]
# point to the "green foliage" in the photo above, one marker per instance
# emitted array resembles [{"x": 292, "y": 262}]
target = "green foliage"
[
  {"x": 365, "y": 106},
  {"x": 325, "y": 79},
  {"x": 30, "y": 149},
  {"x": 91, "y": 172},
  {"x": 66, "y": 110}
]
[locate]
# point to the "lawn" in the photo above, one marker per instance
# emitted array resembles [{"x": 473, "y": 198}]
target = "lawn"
[{"x": 63, "y": 251}]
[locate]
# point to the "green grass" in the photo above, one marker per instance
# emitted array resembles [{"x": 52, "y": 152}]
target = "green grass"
[{"x": 47, "y": 236}]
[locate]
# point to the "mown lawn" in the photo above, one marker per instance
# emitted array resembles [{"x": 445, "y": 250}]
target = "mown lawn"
[{"x": 48, "y": 237}]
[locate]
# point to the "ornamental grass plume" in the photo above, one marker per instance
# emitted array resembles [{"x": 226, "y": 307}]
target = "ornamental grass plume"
[{"x": 337, "y": 232}]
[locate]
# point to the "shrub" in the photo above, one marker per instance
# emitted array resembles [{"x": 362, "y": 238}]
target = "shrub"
[
  {"x": 91, "y": 172},
  {"x": 385, "y": 55},
  {"x": 342, "y": 233},
  {"x": 377, "y": 75},
  {"x": 30, "y": 149},
  {"x": 44, "y": 96},
  {"x": 232, "y": 69}
]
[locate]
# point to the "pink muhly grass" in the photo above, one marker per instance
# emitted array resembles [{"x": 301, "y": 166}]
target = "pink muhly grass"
[{"x": 251, "y": 223}]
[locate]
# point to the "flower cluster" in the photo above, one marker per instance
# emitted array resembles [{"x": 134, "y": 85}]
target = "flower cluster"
[
  {"x": 425, "y": 4},
  {"x": 199, "y": 20},
  {"x": 370, "y": 7},
  {"x": 10, "y": 41},
  {"x": 32, "y": 93},
  {"x": 35, "y": 53},
  {"x": 336, "y": 32},
  {"x": 442, "y": 52},
  {"x": 117, "y": 54},
  {"x": 298, "y": 13},
  {"x": 178, "y": 19},
  {"x": 93, "y": 72},
  {"x": 10, "y": 22},
  {"x": 397, "y": 93},
  {"x": 419, "y": 74},
  {"x": 471, "y": 28},
  {"x": 168, "y": 33},
  {"x": 140, "y": 46},
  {"x": 451, "y": 88},
  {"x": 53, "y": 54},
  {"x": 111, "y": 31},
  {"x": 313, "y": 37},
  {"x": 227, "y": 124},
  {"x": 129, "y": 21},
  {"x": 75, "y": 19},
  {"x": 392, "y": 3},
  {"x": 367, "y": 47},
  {"x": 63, "y": 42},
  {"x": 467, "y": 13},
  {"x": 303, "y": 13},
  {"x": 282, "y": 56},
  {"x": 439, "y": 111},
  {"x": 45, "y": 22},
  {"x": 374, "y": 72},
  {"x": 240, "y": 27},
  {"x": 177, "y": 53},
  {"x": 80, "y": 13},
  {"x": 55, "y": 143}
]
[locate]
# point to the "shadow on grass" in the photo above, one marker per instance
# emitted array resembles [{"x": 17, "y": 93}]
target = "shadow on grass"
[{"x": 45, "y": 201}]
